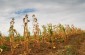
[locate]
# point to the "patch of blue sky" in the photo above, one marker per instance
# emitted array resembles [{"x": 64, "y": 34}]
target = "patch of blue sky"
[{"x": 24, "y": 11}]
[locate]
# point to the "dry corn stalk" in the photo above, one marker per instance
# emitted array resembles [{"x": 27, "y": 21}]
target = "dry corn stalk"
[
  {"x": 26, "y": 34},
  {"x": 12, "y": 31},
  {"x": 36, "y": 31}
]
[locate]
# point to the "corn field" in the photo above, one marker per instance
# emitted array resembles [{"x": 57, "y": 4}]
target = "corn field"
[{"x": 52, "y": 40}]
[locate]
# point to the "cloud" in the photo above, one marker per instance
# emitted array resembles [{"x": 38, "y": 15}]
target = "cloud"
[{"x": 47, "y": 11}]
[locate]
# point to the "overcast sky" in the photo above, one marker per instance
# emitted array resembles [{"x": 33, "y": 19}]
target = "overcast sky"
[{"x": 46, "y": 11}]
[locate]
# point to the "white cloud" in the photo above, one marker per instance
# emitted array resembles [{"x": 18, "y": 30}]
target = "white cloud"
[{"x": 48, "y": 11}]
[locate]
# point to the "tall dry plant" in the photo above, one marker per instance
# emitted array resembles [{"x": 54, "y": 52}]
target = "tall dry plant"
[
  {"x": 26, "y": 34},
  {"x": 36, "y": 31},
  {"x": 12, "y": 33}
]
